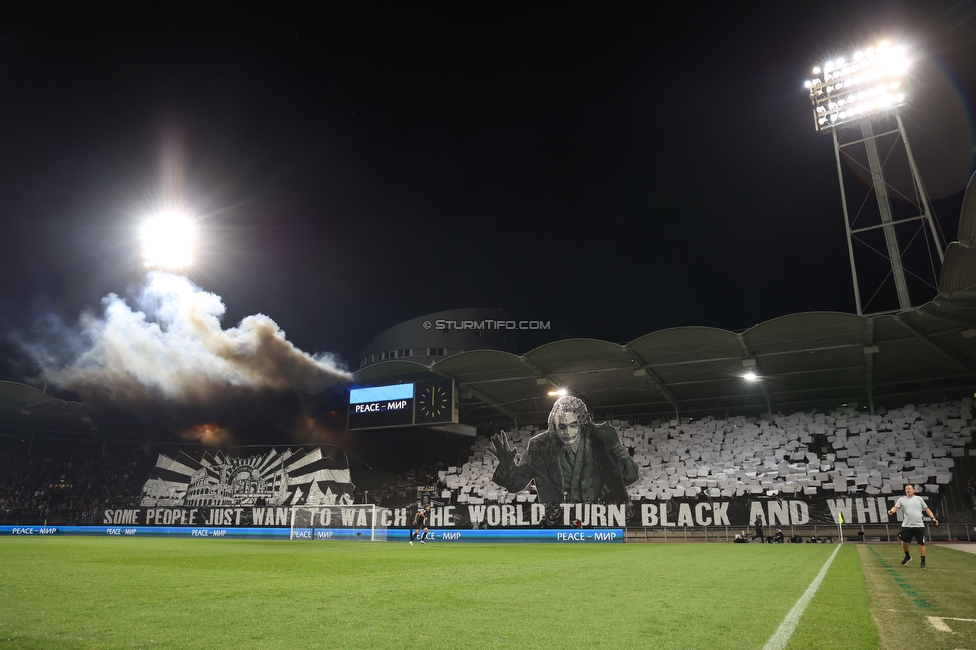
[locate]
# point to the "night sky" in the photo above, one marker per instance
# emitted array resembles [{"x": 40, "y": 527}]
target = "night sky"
[{"x": 613, "y": 171}]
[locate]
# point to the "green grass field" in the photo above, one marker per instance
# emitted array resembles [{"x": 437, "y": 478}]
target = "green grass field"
[{"x": 93, "y": 592}]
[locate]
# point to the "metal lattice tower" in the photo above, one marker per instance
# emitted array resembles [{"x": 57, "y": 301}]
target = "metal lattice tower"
[{"x": 857, "y": 100}]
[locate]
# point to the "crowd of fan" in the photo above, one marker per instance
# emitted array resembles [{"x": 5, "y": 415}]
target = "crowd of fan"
[
  {"x": 400, "y": 488},
  {"x": 61, "y": 486},
  {"x": 68, "y": 486},
  {"x": 801, "y": 454},
  {"x": 58, "y": 485}
]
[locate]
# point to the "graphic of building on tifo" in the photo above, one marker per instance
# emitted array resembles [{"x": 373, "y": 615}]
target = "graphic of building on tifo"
[{"x": 273, "y": 479}]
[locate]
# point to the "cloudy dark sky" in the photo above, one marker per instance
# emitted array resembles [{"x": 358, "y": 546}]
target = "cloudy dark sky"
[{"x": 611, "y": 170}]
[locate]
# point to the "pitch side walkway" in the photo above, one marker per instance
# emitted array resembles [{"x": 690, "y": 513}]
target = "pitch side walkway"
[{"x": 969, "y": 547}]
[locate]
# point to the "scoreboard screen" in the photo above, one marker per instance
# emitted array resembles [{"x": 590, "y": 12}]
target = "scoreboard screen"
[
  {"x": 402, "y": 405},
  {"x": 381, "y": 406}
]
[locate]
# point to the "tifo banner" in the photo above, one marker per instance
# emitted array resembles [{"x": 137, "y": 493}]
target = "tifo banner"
[
  {"x": 737, "y": 513},
  {"x": 273, "y": 479},
  {"x": 853, "y": 509},
  {"x": 575, "y": 459},
  {"x": 260, "y": 492}
]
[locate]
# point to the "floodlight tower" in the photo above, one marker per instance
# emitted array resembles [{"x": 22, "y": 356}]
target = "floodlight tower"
[{"x": 851, "y": 96}]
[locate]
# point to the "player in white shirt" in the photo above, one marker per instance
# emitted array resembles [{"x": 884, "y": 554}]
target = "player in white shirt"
[{"x": 912, "y": 508}]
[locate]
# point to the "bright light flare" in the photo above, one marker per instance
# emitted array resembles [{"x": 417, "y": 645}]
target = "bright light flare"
[
  {"x": 562, "y": 392},
  {"x": 167, "y": 241},
  {"x": 750, "y": 376},
  {"x": 859, "y": 87}
]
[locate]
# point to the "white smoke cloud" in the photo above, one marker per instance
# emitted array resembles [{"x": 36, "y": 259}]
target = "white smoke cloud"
[{"x": 174, "y": 348}]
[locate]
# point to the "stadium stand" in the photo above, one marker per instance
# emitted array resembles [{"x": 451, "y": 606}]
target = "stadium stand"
[
  {"x": 63, "y": 485},
  {"x": 803, "y": 453}
]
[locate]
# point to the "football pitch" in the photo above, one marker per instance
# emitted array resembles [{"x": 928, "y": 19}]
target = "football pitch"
[{"x": 92, "y": 592}]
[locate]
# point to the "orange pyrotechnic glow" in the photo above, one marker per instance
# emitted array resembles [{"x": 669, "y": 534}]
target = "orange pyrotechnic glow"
[{"x": 209, "y": 434}]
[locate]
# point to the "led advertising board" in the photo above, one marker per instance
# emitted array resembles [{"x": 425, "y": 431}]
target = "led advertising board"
[{"x": 378, "y": 407}]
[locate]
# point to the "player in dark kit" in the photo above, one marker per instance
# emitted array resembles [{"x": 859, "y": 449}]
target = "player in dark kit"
[{"x": 420, "y": 523}]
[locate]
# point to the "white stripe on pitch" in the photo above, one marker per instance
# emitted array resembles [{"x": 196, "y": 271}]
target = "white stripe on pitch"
[{"x": 785, "y": 630}]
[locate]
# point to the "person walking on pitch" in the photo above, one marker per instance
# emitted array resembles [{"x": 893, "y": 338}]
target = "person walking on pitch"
[
  {"x": 911, "y": 524},
  {"x": 420, "y": 523}
]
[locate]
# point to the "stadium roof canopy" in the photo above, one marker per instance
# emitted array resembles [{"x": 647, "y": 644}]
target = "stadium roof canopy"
[
  {"x": 818, "y": 360},
  {"x": 804, "y": 361},
  {"x": 25, "y": 409}
]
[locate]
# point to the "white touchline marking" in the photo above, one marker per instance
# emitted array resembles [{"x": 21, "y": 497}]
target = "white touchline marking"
[
  {"x": 786, "y": 628},
  {"x": 939, "y": 622}
]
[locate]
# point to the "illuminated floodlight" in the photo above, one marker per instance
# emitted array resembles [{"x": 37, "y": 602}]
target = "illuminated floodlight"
[
  {"x": 859, "y": 86},
  {"x": 167, "y": 241},
  {"x": 750, "y": 376},
  {"x": 859, "y": 92},
  {"x": 561, "y": 392}
]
